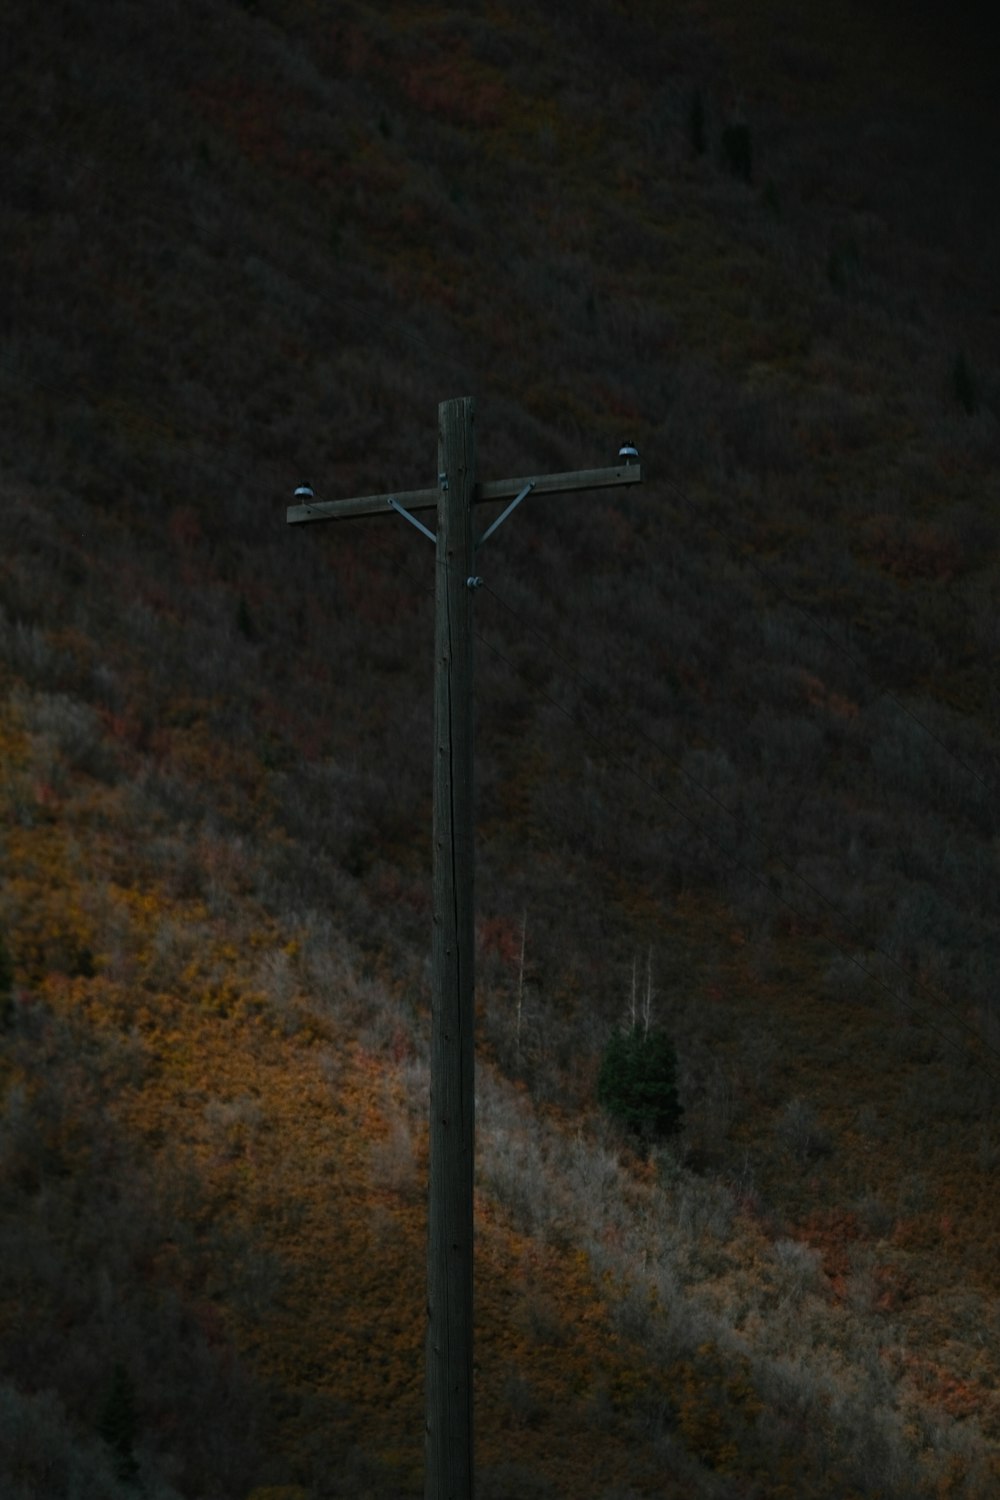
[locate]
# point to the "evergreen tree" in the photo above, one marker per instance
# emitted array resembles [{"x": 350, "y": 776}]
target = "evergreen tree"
[
  {"x": 118, "y": 1423},
  {"x": 964, "y": 383},
  {"x": 738, "y": 150},
  {"x": 244, "y": 620},
  {"x": 696, "y": 123},
  {"x": 637, "y": 1083},
  {"x": 6, "y": 985}
]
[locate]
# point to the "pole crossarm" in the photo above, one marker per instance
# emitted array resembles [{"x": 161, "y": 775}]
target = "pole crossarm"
[
  {"x": 555, "y": 484},
  {"x": 493, "y": 489}
]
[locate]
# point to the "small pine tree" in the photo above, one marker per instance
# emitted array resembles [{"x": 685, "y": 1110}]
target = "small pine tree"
[
  {"x": 637, "y": 1083},
  {"x": 964, "y": 383},
  {"x": 118, "y": 1423},
  {"x": 6, "y": 985},
  {"x": 738, "y": 150},
  {"x": 771, "y": 198},
  {"x": 244, "y": 620},
  {"x": 843, "y": 265},
  {"x": 696, "y": 123}
]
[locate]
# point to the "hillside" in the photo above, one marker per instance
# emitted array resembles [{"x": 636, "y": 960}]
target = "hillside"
[{"x": 737, "y": 744}]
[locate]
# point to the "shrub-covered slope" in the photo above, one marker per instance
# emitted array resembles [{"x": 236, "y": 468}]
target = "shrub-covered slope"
[{"x": 737, "y": 744}]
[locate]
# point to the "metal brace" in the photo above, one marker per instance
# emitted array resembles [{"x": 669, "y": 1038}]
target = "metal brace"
[
  {"x": 412, "y": 519},
  {"x": 505, "y": 513}
]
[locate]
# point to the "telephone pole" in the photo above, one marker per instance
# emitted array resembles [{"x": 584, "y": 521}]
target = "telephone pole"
[{"x": 448, "y": 1381}]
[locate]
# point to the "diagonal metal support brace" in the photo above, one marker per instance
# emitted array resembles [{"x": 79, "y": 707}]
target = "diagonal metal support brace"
[
  {"x": 505, "y": 513},
  {"x": 412, "y": 518}
]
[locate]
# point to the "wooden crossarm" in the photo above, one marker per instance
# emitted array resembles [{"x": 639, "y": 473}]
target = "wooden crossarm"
[{"x": 493, "y": 489}]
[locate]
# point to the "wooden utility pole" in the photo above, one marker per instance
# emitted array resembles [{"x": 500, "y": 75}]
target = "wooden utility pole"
[
  {"x": 449, "y": 1437},
  {"x": 449, "y": 1450}
]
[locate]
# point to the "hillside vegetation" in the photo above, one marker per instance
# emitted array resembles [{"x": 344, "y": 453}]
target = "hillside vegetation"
[{"x": 736, "y": 757}]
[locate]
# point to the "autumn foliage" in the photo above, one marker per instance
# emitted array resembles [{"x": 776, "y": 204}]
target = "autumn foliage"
[{"x": 741, "y": 719}]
